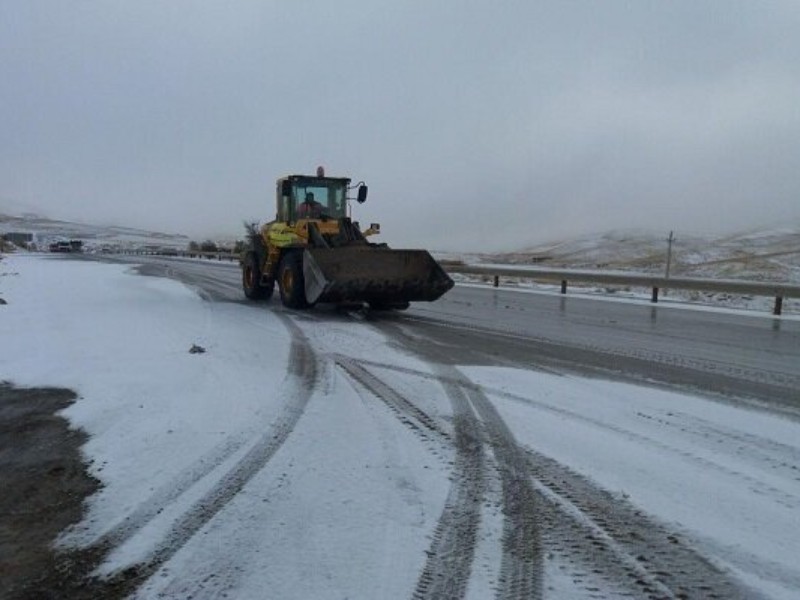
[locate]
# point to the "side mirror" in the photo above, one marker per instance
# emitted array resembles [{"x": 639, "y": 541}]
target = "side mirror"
[
  {"x": 286, "y": 188},
  {"x": 362, "y": 194}
]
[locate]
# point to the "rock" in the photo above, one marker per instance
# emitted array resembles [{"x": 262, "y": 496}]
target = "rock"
[{"x": 195, "y": 349}]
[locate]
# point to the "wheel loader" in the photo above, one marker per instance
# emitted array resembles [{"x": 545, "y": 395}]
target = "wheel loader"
[{"x": 315, "y": 253}]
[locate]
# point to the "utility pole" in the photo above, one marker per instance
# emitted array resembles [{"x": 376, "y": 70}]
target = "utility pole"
[{"x": 670, "y": 239}]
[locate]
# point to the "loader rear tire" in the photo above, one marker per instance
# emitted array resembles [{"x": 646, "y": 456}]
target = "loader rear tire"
[
  {"x": 251, "y": 280},
  {"x": 291, "y": 281}
]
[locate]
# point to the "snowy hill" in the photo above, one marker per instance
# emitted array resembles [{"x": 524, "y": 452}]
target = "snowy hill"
[
  {"x": 768, "y": 254},
  {"x": 761, "y": 254},
  {"x": 94, "y": 236}
]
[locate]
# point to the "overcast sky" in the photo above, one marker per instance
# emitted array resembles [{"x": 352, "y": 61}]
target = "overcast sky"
[{"x": 476, "y": 124}]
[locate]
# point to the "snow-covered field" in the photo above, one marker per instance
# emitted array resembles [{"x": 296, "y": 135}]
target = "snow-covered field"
[{"x": 271, "y": 465}]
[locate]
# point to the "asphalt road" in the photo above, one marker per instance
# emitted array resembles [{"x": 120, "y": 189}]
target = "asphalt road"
[
  {"x": 737, "y": 357},
  {"x": 730, "y": 354}
]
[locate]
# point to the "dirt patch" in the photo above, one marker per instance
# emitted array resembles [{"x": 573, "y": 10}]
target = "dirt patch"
[{"x": 44, "y": 485}]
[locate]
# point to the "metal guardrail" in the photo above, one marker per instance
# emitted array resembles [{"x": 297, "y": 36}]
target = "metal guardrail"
[{"x": 779, "y": 291}]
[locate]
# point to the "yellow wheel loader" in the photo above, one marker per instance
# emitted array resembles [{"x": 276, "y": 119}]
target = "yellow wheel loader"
[{"x": 315, "y": 253}]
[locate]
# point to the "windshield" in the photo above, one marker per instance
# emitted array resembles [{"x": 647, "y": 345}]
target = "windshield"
[{"x": 317, "y": 199}]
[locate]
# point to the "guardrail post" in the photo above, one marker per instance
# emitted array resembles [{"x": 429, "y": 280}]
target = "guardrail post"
[
  {"x": 778, "y": 305},
  {"x": 496, "y": 281},
  {"x": 563, "y": 286},
  {"x": 654, "y": 298}
]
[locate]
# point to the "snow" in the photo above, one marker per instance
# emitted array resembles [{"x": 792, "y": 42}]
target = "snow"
[
  {"x": 726, "y": 476},
  {"x": 346, "y": 504},
  {"x": 122, "y": 343},
  {"x": 333, "y": 513}
]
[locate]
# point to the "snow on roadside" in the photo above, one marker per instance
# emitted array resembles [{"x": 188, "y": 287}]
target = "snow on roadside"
[
  {"x": 122, "y": 343},
  {"x": 726, "y": 476},
  {"x": 344, "y": 506},
  {"x": 342, "y": 512}
]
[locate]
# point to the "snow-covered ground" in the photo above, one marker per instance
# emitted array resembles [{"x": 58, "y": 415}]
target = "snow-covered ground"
[{"x": 267, "y": 466}]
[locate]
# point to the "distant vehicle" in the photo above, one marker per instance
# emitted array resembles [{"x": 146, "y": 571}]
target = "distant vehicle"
[{"x": 64, "y": 246}]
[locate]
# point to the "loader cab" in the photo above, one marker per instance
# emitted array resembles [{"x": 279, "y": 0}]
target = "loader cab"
[{"x": 330, "y": 193}]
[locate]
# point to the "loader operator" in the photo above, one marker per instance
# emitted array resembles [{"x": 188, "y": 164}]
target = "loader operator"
[{"x": 309, "y": 208}]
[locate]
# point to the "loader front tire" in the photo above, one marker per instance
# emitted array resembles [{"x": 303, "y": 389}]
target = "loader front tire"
[
  {"x": 251, "y": 279},
  {"x": 291, "y": 281}
]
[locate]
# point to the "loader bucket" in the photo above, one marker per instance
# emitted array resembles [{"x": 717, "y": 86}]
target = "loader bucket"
[{"x": 363, "y": 273}]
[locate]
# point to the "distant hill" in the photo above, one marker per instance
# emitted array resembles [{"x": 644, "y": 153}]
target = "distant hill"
[
  {"x": 769, "y": 254},
  {"x": 759, "y": 254},
  {"x": 48, "y": 230},
  {"x": 762, "y": 254}
]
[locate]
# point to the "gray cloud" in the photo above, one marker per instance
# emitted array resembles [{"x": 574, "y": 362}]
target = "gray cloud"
[{"x": 476, "y": 124}]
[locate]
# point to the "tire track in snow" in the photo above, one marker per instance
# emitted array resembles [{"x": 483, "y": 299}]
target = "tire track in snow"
[
  {"x": 612, "y": 537},
  {"x": 521, "y": 567},
  {"x": 780, "y": 458},
  {"x": 408, "y": 413},
  {"x": 447, "y": 569},
  {"x": 560, "y": 531},
  {"x": 601, "y": 536},
  {"x": 301, "y": 381},
  {"x": 169, "y": 492},
  {"x": 303, "y": 370},
  {"x": 779, "y": 496}
]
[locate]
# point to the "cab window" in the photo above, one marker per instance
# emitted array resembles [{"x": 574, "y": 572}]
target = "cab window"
[{"x": 328, "y": 199}]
